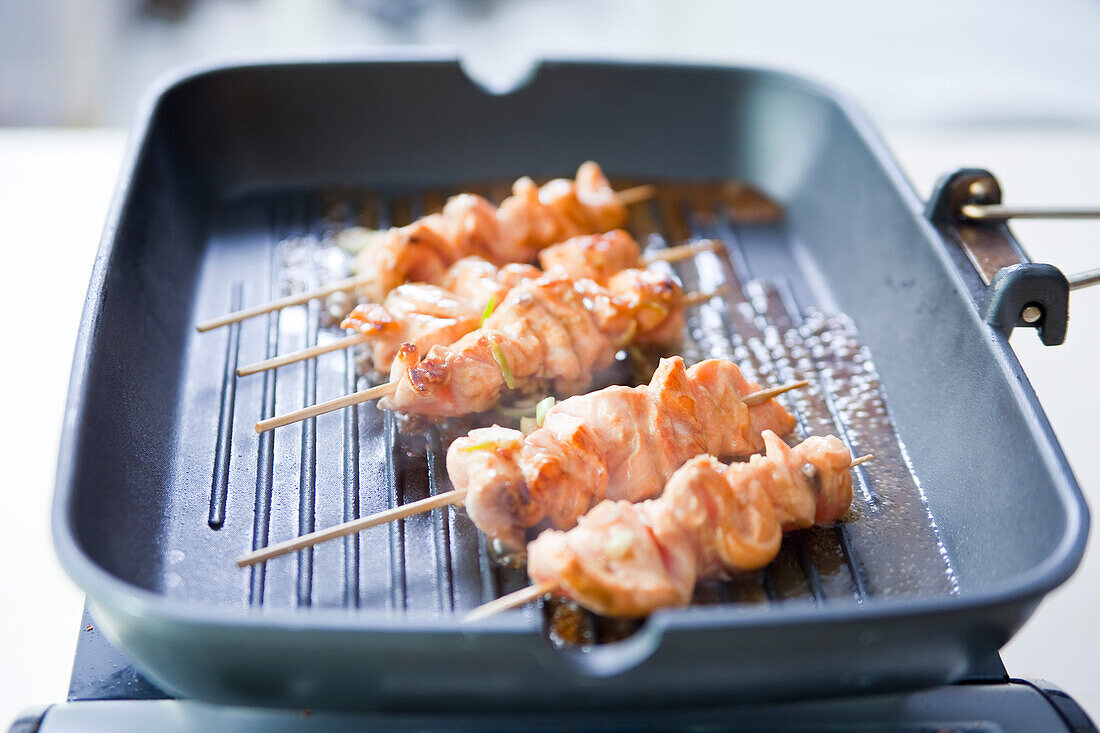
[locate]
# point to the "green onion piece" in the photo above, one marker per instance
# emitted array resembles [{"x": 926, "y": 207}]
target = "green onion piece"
[
  {"x": 489, "y": 445},
  {"x": 527, "y": 425},
  {"x": 618, "y": 544},
  {"x": 499, "y": 356},
  {"x": 489, "y": 307},
  {"x": 542, "y": 408},
  {"x": 658, "y": 307}
]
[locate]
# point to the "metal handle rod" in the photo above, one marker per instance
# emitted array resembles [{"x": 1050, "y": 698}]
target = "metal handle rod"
[
  {"x": 1001, "y": 213},
  {"x": 1084, "y": 279},
  {"x": 993, "y": 212}
]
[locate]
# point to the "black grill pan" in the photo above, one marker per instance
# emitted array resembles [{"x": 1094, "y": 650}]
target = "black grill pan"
[{"x": 237, "y": 176}]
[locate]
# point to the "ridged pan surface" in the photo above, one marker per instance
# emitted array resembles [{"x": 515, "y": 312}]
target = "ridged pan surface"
[
  {"x": 339, "y": 467},
  {"x": 163, "y": 480}
]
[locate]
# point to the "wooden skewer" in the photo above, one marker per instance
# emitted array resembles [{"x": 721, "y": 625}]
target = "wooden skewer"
[
  {"x": 766, "y": 394},
  {"x": 626, "y": 197},
  {"x": 424, "y": 505},
  {"x": 262, "y": 366},
  {"x": 357, "y": 525},
  {"x": 384, "y": 390},
  {"x": 696, "y": 298},
  {"x": 531, "y": 593},
  {"x": 755, "y": 398},
  {"x": 673, "y": 254},
  {"x": 512, "y": 600},
  {"x": 636, "y": 195},
  {"x": 363, "y": 395},
  {"x": 515, "y": 599},
  {"x": 305, "y": 296},
  {"x": 683, "y": 252}
]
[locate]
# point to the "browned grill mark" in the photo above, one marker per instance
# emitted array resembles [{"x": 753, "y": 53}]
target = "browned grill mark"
[{"x": 429, "y": 373}]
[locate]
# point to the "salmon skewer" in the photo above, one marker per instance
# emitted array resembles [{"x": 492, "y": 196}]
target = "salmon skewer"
[
  {"x": 617, "y": 443},
  {"x": 428, "y": 315},
  {"x": 441, "y": 312},
  {"x": 549, "y": 333},
  {"x": 530, "y": 219},
  {"x": 552, "y": 332},
  {"x": 525, "y": 222},
  {"x": 423, "y": 314},
  {"x": 626, "y": 559}
]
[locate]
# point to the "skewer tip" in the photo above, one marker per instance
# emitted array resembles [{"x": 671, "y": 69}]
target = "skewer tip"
[
  {"x": 697, "y": 297},
  {"x": 706, "y": 245},
  {"x": 861, "y": 459},
  {"x": 636, "y": 194},
  {"x": 766, "y": 394}
]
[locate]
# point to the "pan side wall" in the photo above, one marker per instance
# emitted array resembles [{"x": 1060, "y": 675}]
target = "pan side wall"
[
  {"x": 413, "y": 669},
  {"x": 988, "y": 463},
  {"x": 988, "y": 480},
  {"x": 988, "y": 467},
  {"x": 117, "y": 508}
]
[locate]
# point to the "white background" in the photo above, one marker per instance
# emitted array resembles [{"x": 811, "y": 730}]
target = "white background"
[{"x": 1008, "y": 85}]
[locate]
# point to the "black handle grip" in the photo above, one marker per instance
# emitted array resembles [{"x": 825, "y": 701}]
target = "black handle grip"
[{"x": 1014, "y": 292}]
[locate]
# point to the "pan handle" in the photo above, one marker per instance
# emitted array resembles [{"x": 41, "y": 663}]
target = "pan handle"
[{"x": 1013, "y": 292}]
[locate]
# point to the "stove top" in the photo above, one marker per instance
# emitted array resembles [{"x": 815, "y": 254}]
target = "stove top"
[
  {"x": 106, "y": 693},
  {"x": 102, "y": 672}
]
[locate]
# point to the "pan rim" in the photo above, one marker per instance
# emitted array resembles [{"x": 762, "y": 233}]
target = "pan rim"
[{"x": 108, "y": 590}]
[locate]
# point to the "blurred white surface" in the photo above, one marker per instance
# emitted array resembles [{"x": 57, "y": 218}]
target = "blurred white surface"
[
  {"x": 72, "y": 62},
  {"x": 53, "y": 200},
  {"x": 54, "y": 193}
]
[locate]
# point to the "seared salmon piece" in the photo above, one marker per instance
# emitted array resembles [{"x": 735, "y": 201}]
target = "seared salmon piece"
[{"x": 712, "y": 521}]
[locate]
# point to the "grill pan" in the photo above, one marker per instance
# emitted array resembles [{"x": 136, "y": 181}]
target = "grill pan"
[{"x": 968, "y": 516}]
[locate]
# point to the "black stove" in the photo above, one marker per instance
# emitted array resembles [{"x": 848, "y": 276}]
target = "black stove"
[{"x": 107, "y": 694}]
